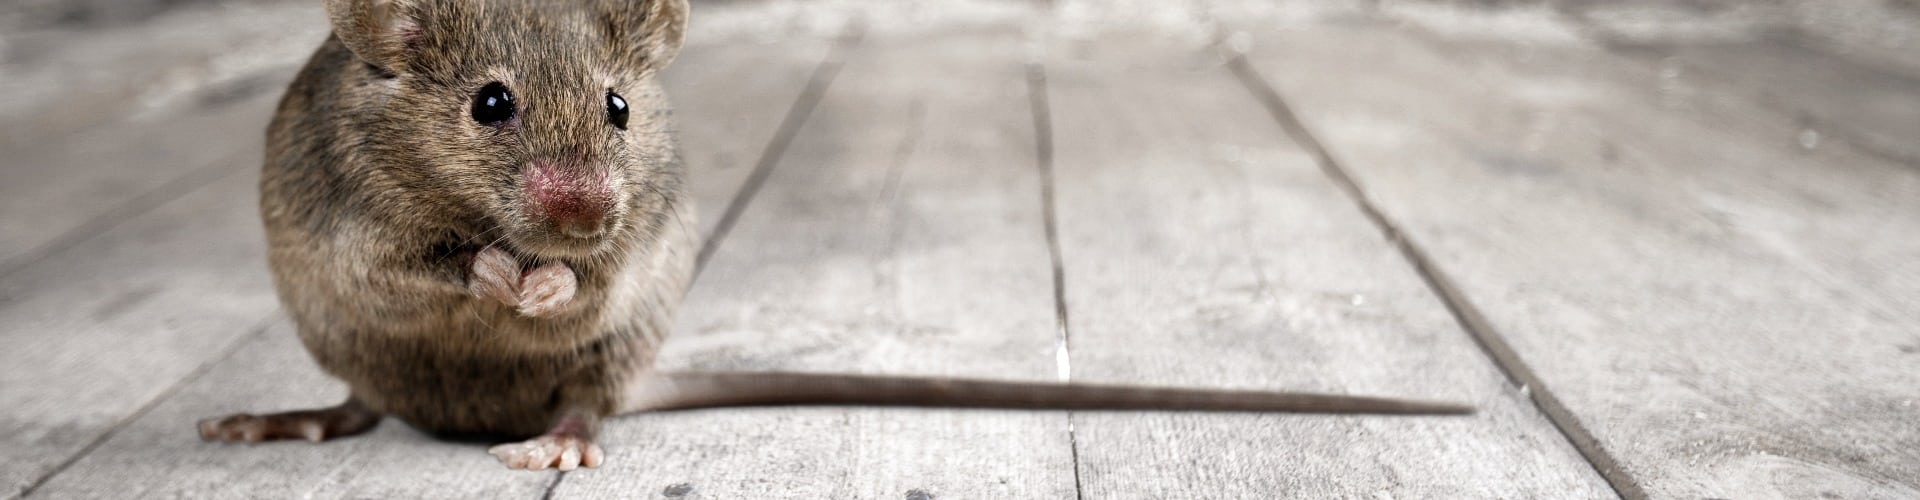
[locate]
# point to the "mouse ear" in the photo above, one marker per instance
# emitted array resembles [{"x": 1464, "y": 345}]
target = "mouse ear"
[
  {"x": 647, "y": 32},
  {"x": 377, "y": 31}
]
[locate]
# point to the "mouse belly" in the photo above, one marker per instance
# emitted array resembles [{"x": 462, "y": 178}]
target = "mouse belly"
[
  {"x": 459, "y": 388},
  {"x": 464, "y": 396}
]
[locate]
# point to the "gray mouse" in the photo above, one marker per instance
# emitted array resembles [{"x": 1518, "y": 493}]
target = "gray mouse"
[{"x": 476, "y": 218}]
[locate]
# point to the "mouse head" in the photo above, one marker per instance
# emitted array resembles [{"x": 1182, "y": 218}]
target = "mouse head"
[{"x": 537, "y": 124}]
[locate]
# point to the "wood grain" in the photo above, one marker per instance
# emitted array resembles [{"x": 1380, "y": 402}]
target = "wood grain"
[
  {"x": 102, "y": 125},
  {"x": 1830, "y": 97},
  {"x": 110, "y": 293},
  {"x": 1204, "y": 249},
  {"x": 99, "y": 331},
  {"x": 900, "y": 234},
  {"x": 1724, "y": 309},
  {"x": 729, "y": 100}
]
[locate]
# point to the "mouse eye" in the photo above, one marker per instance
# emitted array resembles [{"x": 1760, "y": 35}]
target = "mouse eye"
[
  {"x": 493, "y": 104},
  {"x": 616, "y": 110}
]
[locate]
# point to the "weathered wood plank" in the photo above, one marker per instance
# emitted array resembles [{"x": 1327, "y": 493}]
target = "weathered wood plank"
[
  {"x": 55, "y": 197},
  {"x": 98, "y": 331},
  {"x": 63, "y": 78},
  {"x": 1202, "y": 248},
  {"x": 107, "y": 306},
  {"x": 1728, "y": 312},
  {"x": 1879, "y": 35},
  {"x": 101, "y": 125},
  {"x": 728, "y": 101},
  {"x": 1826, "y": 96},
  {"x": 901, "y": 234}
]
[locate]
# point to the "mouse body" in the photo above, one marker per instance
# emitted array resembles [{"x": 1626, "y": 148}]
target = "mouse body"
[
  {"x": 476, "y": 219},
  {"x": 475, "y": 211}
]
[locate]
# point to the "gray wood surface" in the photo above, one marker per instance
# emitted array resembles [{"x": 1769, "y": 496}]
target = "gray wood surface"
[
  {"x": 104, "y": 126},
  {"x": 901, "y": 234},
  {"x": 1202, "y": 248},
  {"x": 729, "y": 99},
  {"x": 98, "y": 331},
  {"x": 1829, "y": 97},
  {"x": 1728, "y": 312},
  {"x": 73, "y": 188},
  {"x": 67, "y": 77}
]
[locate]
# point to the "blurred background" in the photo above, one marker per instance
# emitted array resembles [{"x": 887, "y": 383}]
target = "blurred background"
[{"x": 1669, "y": 249}]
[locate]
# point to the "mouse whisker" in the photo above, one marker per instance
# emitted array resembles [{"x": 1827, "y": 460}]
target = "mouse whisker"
[
  {"x": 482, "y": 320},
  {"x": 482, "y": 233}
]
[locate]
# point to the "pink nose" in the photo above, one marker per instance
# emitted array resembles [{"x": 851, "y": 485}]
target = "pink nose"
[{"x": 572, "y": 198}]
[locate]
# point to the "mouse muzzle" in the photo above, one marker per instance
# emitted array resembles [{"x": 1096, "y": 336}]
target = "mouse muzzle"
[{"x": 572, "y": 200}]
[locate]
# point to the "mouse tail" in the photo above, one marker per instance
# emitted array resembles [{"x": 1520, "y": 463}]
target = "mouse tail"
[{"x": 686, "y": 390}]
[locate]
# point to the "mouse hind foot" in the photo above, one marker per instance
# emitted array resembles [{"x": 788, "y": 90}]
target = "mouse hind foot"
[
  {"x": 316, "y": 425},
  {"x": 568, "y": 446}
]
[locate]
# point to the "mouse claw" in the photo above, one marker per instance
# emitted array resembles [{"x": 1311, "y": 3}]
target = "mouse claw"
[
  {"x": 569, "y": 459},
  {"x": 313, "y": 431},
  {"x": 209, "y": 429},
  {"x": 240, "y": 427},
  {"x": 503, "y": 452},
  {"x": 592, "y": 457},
  {"x": 546, "y": 290}
]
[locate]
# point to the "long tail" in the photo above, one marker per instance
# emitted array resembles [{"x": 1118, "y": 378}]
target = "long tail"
[{"x": 672, "y": 391}]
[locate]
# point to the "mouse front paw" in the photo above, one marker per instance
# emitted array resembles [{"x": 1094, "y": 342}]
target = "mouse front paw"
[
  {"x": 546, "y": 290},
  {"x": 495, "y": 276},
  {"x": 542, "y": 292}
]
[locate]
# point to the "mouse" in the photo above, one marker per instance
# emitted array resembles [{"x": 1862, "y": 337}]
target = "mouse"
[{"x": 477, "y": 220}]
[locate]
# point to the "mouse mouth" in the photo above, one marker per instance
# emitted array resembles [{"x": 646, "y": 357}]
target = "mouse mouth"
[
  {"x": 559, "y": 243},
  {"x": 541, "y": 237},
  {"x": 528, "y": 241}
]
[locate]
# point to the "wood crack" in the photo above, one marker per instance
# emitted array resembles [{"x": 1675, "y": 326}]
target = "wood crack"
[
  {"x": 1043, "y": 148},
  {"x": 776, "y": 147},
  {"x": 1484, "y": 335}
]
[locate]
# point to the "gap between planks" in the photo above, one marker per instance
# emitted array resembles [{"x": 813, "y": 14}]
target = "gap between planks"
[
  {"x": 1484, "y": 335},
  {"x": 1043, "y": 158},
  {"x": 817, "y": 84}
]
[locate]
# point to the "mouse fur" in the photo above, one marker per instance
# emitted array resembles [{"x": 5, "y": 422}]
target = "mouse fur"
[{"x": 380, "y": 194}]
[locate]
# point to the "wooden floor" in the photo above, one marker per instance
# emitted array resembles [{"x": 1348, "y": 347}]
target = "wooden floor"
[{"x": 1679, "y": 266}]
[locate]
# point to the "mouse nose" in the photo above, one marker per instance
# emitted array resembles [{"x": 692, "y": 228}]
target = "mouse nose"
[{"x": 575, "y": 199}]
